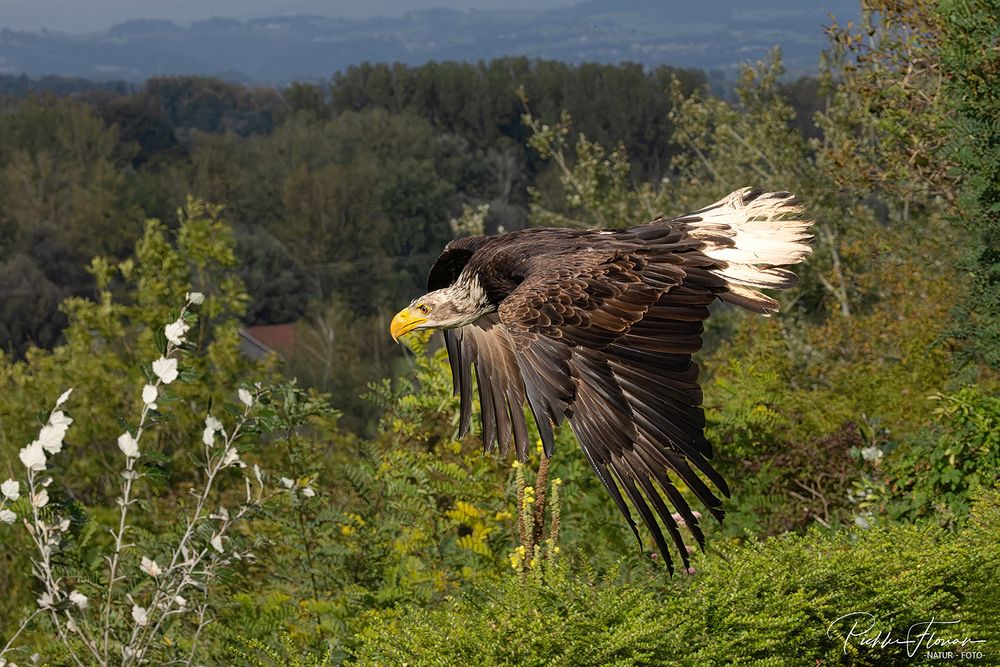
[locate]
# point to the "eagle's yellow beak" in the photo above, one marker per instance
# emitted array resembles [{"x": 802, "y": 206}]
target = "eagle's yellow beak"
[{"x": 405, "y": 322}]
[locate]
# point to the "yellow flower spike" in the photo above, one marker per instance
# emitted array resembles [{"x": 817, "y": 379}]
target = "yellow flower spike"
[
  {"x": 556, "y": 481},
  {"x": 515, "y": 465}
]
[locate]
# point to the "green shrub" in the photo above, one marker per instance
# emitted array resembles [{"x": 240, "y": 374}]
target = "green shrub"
[
  {"x": 106, "y": 343},
  {"x": 774, "y": 602},
  {"x": 937, "y": 473}
]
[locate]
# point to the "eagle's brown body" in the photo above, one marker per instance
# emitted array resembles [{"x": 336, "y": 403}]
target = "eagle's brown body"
[{"x": 598, "y": 327}]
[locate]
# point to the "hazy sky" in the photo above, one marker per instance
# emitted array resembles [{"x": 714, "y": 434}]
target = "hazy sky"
[{"x": 89, "y": 15}]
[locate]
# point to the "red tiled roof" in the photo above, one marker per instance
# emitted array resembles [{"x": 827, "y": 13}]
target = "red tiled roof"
[{"x": 278, "y": 337}]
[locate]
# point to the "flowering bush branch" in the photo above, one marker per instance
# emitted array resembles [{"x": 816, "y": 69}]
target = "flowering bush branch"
[
  {"x": 532, "y": 551},
  {"x": 137, "y": 604}
]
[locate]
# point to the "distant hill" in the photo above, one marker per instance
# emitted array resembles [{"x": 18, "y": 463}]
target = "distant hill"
[{"x": 711, "y": 34}]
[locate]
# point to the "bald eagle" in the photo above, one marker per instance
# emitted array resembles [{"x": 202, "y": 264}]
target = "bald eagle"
[{"x": 598, "y": 327}]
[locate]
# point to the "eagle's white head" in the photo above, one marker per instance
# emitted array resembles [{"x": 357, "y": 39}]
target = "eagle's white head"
[{"x": 463, "y": 302}]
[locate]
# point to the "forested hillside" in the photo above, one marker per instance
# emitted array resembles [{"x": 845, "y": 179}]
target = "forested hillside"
[{"x": 187, "y": 502}]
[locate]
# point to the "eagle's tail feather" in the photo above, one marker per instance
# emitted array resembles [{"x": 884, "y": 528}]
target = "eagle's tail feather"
[{"x": 752, "y": 232}]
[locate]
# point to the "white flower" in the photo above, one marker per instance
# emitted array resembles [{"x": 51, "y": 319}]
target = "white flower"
[
  {"x": 33, "y": 456},
  {"x": 179, "y": 601},
  {"x": 150, "y": 567},
  {"x": 175, "y": 331},
  {"x": 129, "y": 445},
  {"x": 217, "y": 543},
  {"x": 139, "y": 615},
  {"x": 212, "y": 426},
  {"x": 246, "y": 397},
  {"x": 7, "y": 516},
  {"x": 287, "y": 483},
  {"x": 197, "y": 298},
  {"x": 64, "y": 525},
  {"x": 11, "y": 489},
  {"x": 52, "y": 434},
  {"x": 60, "y": 419},
  {"x": 230, "y": 457},
  {"x": 45, "y": 600},
  {"x": 165, "y": 369},
  {"x": 63, "y": 397},
  {"x": 149, "y": 394},
  {"x": 308, "y": 492},
  {"x": 871, "y": 453},
  {"x": 78, "y": 598},
  {"x": 41, "y": 499},
  {"x": 51, "y": 438}
]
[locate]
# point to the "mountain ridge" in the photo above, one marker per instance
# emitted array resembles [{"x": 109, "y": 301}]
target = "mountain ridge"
[{"x": 711, "y": 34}]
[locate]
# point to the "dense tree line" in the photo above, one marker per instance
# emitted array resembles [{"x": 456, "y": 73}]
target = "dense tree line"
[
  {"x": 612, "y": 104},
  {"x": 12, "y": 85}
]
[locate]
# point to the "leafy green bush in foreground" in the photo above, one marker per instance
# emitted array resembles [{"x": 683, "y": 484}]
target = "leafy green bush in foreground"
[{"x": 775, "y": 602}]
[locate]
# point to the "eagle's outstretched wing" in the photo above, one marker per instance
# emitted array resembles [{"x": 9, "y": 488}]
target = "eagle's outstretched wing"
[{"x": 604, "y": 338}]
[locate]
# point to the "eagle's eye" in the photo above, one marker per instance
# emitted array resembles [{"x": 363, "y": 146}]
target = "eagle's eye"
[{"x": 423, "y": 308}]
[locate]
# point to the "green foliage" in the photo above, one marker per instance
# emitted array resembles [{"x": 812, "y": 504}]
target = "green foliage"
[
  {"x": 199, "y": 104},
  {"x": 29, "y": 312},
  {"x": 884, "y": 124},
  {"x": 612, "y": 103},
  {"x": 22, "y": 85},
  {"x": 937, "y": 473},
  {"x": 775, "y": 602},
  {"x": 61, "y": 202},
  {"x": 785, "y": 450},
  {"x": 405, "y": 518},
  {"x": 596, "y": 186},
  {"x": 289, "y": 656},
  {"x": 280, "y": 288},
  {"x": 973, "y": 102},
  {"x": 914, "y": 115}
]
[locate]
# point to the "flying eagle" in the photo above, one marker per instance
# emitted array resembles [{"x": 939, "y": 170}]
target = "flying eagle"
[{"x": 599, "y": 327}]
